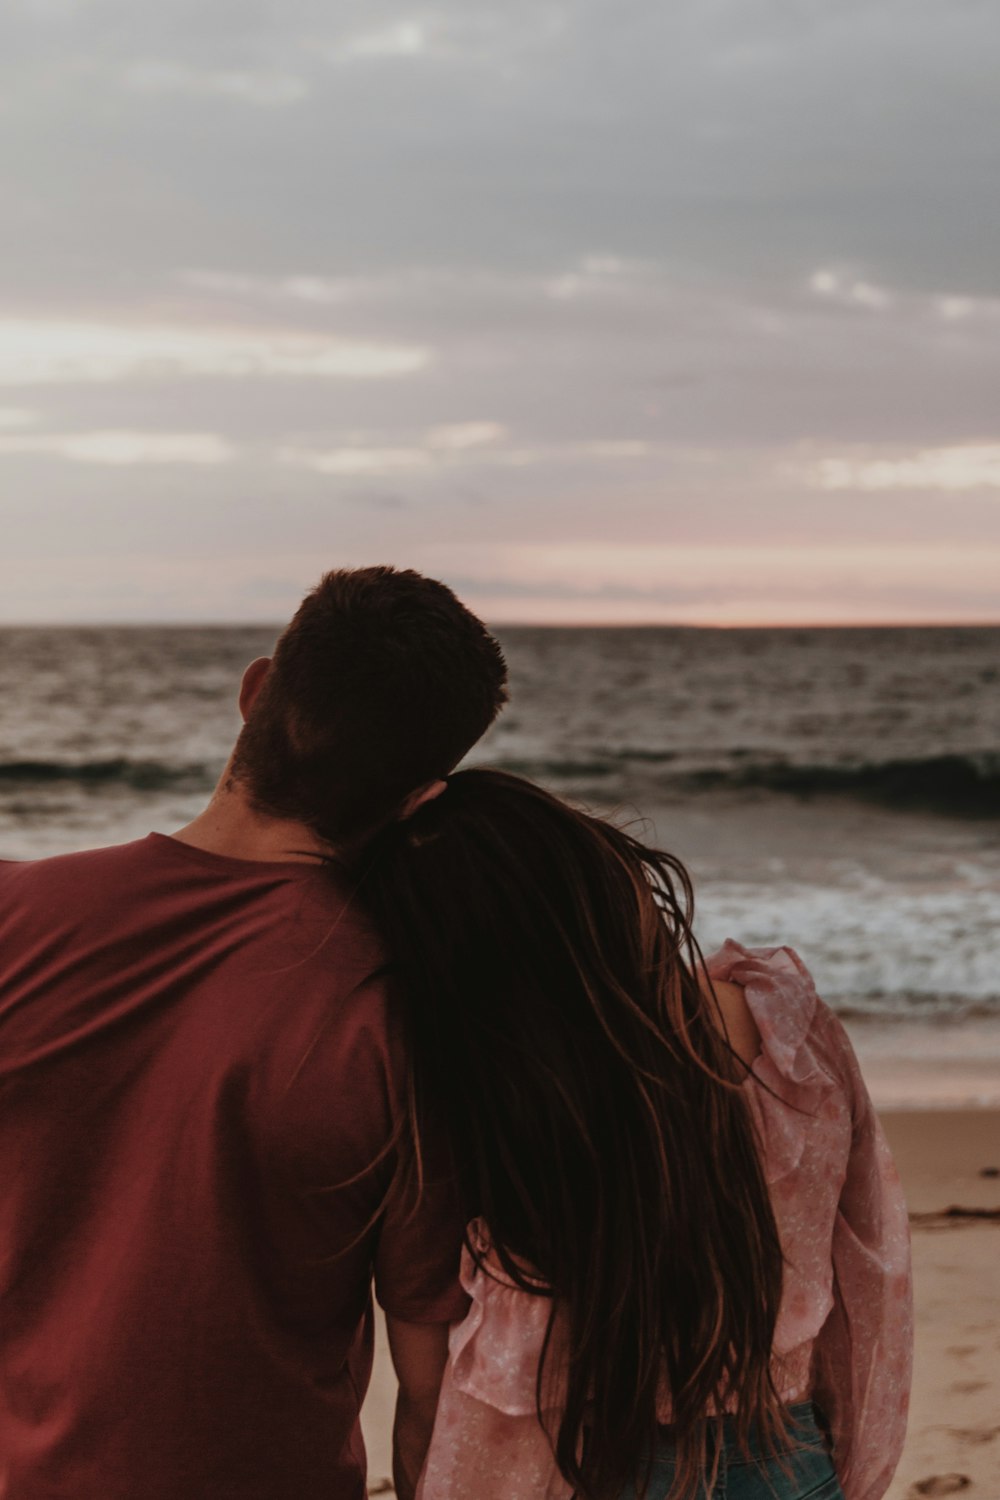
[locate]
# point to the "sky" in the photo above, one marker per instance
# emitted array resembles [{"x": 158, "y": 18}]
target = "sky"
[{"x": 604, "y": 311}]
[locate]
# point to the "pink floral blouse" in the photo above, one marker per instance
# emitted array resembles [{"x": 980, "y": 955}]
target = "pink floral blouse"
[{"x": 845, "y": 1325}]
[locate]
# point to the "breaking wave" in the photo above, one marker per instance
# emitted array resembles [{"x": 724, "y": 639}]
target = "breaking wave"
[
  {"x": 137, "y": 775},
  {"x": 966, "y": 785}
]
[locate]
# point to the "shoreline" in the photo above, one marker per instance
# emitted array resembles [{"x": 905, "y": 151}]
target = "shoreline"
[{"x": 939, "y": 1066}]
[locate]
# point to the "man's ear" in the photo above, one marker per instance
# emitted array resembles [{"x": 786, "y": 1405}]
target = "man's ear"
[
  {"x": 253, "y": 681},
  {"x": 416, "y": 799}
]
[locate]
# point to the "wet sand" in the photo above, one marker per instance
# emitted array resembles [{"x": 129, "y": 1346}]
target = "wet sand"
[{"x": 953, "y": 1444}]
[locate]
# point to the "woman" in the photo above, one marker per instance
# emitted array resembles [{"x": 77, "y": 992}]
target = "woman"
[{"x": 688, "y": 1251}]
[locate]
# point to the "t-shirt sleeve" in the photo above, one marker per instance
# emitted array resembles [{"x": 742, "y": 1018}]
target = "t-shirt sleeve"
[
  {"x": 419, "y": 1248},
  {"x": 336, "y": 1143},
  {"x": 422, "y": 1230}
]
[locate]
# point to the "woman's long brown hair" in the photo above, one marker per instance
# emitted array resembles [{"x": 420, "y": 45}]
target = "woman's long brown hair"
[{"x": 557, "y": 1025}]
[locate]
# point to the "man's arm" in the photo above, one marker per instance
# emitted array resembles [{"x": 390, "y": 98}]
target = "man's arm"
[{"x": 419, "y": 1354}]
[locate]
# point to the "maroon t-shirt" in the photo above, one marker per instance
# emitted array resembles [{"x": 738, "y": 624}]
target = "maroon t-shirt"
[{"x": 199, "y": 1078}]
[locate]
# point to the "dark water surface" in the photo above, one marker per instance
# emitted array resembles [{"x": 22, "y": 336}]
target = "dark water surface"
[{"x": 837, "y": 789}]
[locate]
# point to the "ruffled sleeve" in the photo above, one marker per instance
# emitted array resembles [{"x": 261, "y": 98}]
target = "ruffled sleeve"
[
  {"x": 802, "y": 1120},
  {"x": 488, "y": 1441},
  {"x": 845, "y": 1327},
  {"x": 863, "y": 1354}
]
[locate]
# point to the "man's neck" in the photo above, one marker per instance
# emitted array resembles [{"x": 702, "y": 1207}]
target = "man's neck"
[{"x": 230, "y": 825}]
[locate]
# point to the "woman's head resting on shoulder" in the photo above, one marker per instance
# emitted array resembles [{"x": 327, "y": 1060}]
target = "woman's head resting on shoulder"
[{"x": 557, "y": 1022}]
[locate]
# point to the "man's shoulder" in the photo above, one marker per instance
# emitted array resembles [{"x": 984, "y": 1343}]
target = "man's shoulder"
[{"x": 78, "y": 868}]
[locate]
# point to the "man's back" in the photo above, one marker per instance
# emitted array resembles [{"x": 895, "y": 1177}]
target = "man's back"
[{"x": 198, "y": 1084}]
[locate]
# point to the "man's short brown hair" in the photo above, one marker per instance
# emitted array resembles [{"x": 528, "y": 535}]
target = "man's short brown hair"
[{"x": 381, "y": 683}]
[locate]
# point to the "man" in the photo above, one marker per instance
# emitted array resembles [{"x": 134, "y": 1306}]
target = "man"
[{"x": 201, "y": 1090}]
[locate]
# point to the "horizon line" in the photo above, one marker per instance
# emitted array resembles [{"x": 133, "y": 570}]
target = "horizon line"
[{"x": 523, "y": 624}]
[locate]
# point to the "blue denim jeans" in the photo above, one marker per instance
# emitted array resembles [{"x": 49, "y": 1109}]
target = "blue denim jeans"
[{"x": 804, "y": 1454}]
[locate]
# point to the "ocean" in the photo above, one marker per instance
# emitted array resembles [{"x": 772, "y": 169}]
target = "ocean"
[{"x": 837, "y": 790}]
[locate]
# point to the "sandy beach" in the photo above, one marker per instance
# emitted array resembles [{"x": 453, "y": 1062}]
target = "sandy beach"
[{"x": 953, "y": 1445}]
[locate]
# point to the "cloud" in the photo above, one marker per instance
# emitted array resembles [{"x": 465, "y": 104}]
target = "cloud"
[
  {"x": 955, "y": 308},
  {"x": 355, "y": 462},
  {"x": 971, "y": 466},
  {"x": 12, "y": 418},
  {"x": 488, "y": 37},
  {"x": 849, "y": 291},
  {"x": 37, "y": 352},
  {"x": 297, "y": 288},
  {"x": 457, "y": 445},
  {"x": 961, "y": 309},
  {"x": 839, "y": 289},
  {"x": 457, "y": 437},
  {"x": 404, "y": 39},
  {"x": 607, "y": 265},
  {"x": 623, "y": 448},
  {"x": 265, "y": 89},
  {"x": 122, "y": 447},
  {"x": 594, "y": 275}
]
